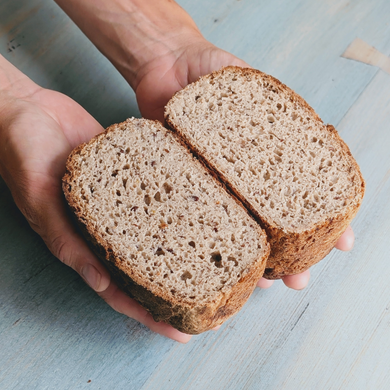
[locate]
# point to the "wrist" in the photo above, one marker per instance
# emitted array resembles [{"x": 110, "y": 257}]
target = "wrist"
[
  {"x": 167, "y": 49},
  {"x": 133, "y": 33},
  {"x": 13, "y": 83},
  {"x": 14, "y": 87},
  {"x": 158, "y": 29}
]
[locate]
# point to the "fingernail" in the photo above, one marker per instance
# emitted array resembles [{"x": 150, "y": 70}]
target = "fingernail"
[{"x": 92, "y": 276}]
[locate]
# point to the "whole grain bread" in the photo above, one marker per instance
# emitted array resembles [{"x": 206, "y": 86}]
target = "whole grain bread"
[
  {"x": 168, "y": 231},
  {"x": 292, "y": 172}
]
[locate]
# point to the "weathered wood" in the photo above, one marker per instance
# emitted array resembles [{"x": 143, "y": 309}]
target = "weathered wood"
[{"x": 55, "y": 333}]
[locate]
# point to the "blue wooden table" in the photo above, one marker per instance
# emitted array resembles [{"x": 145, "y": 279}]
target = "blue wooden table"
[{"x": 55, "y": 333}]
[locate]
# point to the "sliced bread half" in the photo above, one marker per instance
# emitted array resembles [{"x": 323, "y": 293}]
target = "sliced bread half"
[
  {"x": 168, "y": 231},
  {"x": 292, "y": 172}
]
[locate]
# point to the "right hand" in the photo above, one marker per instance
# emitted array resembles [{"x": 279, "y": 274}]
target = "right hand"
[{"x": 37, "y": 133}]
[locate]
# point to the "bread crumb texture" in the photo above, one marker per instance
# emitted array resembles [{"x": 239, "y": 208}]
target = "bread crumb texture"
[
  {"x": 293, "y": 170},
  {"x": 168, "y": 222}
]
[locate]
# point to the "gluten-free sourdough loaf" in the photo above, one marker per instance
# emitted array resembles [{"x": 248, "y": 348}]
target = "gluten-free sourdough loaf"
[
  {"x": 291, "y": 171},
  {"x": 168, "y": 231}
]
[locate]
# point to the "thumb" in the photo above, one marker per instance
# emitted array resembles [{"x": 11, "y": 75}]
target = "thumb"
[
  {"x": 52, "y": 222},
  {"x": 71, "y": 249}
]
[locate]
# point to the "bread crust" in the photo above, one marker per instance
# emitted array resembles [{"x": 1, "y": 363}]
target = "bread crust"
[
  {"x": 190, "y": 319},
  {"x": 291, "y": 252},
  {"x": 187, "y": 317}
]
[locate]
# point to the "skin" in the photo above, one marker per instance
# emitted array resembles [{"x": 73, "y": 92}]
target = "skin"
[{"x": 40, "y": 127}]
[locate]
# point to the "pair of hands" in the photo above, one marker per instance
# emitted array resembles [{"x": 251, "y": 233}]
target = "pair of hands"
[{"x": 39, "y": 129}]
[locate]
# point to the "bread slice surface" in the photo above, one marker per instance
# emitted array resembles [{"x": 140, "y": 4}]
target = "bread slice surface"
[
  {"x": 171, "y": 235},
  {"x": 293, "y": 172}
]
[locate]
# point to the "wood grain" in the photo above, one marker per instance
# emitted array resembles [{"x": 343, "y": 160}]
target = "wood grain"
[{"x": 55, "y": 333}]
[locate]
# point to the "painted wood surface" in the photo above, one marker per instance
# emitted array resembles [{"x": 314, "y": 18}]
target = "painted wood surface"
[{"x": 55, "y": 333}]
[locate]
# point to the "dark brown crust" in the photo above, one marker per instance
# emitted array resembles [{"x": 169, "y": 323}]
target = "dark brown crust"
[
  {"x": 188, "y": 318},
  {"x": 191, "y": 320},
  {"x": 291, "y": 253}
]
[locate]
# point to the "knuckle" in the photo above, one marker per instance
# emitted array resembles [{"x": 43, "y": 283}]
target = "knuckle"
[
  {"x": 32, "y": 215},
  {"x": 58, "y": 247},
  {"x": 26, "y": 200}
]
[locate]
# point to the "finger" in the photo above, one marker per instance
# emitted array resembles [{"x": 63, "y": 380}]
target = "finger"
[
  {"x": 71, "y": 249},
  {"x": 122, "y": 303},
  {"x": 224, "y": 58},
  {"x": 297, "y": 282},
  {"x": 50, "y": 220},
  {"x": 264, "y": 283},
  {"x": 345, "y": 242}
]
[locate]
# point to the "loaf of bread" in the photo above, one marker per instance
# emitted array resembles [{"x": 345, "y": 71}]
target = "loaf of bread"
[
  {"x": 292, "y": 172},
  {"x": 165, "y": 227},
  {"x": 162, "y": 221}
]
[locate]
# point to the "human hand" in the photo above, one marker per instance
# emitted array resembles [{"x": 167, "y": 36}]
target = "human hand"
[
  {"x": 166, "y": 74},
  {"x": 37, "y": 133}
]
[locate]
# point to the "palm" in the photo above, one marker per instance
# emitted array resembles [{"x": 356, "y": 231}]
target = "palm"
[
  {"x": 45, "y": 128},
  {"x": 165, "y": 76},
  {"x": 56, "y": 124},
  {"x": 75, "y": 123},
  {"x": 48, "y": 125}
]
